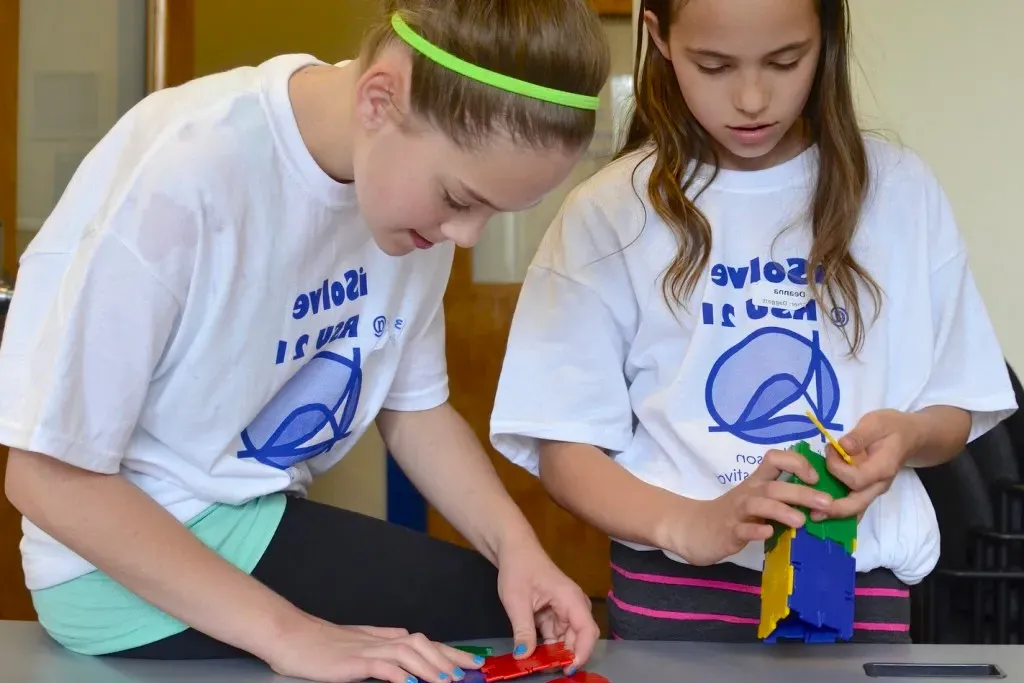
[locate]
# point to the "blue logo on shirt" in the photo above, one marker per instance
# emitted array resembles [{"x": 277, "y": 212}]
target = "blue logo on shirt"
[
  {"x": 751, "y": 386},
  {"x": 311, "y": 413}
]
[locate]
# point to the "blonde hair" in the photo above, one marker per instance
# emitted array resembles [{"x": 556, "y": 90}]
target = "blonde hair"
[{"x": 554, "y": 43}]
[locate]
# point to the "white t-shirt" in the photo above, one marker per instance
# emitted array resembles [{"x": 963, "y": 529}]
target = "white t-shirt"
[
  {"x": 690, "y": 399},
  {"x": 206, "y": 313}
]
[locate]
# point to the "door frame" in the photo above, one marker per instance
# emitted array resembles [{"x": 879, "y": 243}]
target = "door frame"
[{"x": 10, "y": 22}]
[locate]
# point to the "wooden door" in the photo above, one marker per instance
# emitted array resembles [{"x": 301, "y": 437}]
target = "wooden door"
[{"x": 15, "y": 602}]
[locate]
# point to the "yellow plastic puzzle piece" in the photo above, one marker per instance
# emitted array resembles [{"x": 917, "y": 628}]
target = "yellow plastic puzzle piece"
[
  {"x": 776, "y": 584},
  {"x": 829, "y": 438}
]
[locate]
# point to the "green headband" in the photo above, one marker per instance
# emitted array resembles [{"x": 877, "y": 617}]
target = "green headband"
[{"x": 478, "y": 73}]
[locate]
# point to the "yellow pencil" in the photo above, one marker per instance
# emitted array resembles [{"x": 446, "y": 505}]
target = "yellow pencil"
[{"x": 824, "y": 432}]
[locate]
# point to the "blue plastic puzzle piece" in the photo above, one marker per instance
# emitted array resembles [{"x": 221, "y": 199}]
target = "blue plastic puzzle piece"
[
  {"x": 823, "y": 584},
  {"x": 793, "y": 628},
  {"x": 472, "y": 676}
]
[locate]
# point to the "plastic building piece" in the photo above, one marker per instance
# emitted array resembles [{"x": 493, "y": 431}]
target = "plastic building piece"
[
  {"x": 582, "y": 677},
  {"x": 843, "y": 530},
  {"x": 825, "y": 576},
  {"x": 807, "y": 590},
  {"x": 476, "y": 650},
  {"x": 828, "y": 437},
  {"x": 776, "y": 584},
  {"x": 544, "y": 658},
  {"x": 472, "y": 676},
  {"x": 588, "y": 677},
  {"x": 807, "y": 584}
]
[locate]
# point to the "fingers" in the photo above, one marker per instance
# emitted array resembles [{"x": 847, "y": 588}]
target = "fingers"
[
  {"x": 881, "y": 465},
  {"x": 420, "y": 657},
  {"x": 582, "y": 635},
  {"x": 552, "y": 629},
  {"x": 459, "y": 657},
  {"x": 792, "y": 495},
  {"x": 376, "y": 669},
  {"x": 749, "y": 532},
  {"x": 759, "y": 507},
  {"x": 857, "y": 502},
  {"x": 524, "y": 628},
  {"x": 776, "y": 462}
]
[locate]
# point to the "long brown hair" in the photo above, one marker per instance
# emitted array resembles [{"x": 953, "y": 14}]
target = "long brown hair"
[
  {"x": 662, "y": 121},
  {"x": 555, "y": 43}
]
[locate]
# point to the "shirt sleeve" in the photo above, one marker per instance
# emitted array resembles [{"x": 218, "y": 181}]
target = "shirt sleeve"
[
  {"x": 968, "y": 366},
  {"x": 85, "y": 333},
  {"x": 563, "y": 377}
]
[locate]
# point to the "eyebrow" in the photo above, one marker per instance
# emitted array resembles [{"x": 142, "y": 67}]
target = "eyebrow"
[
  {"x": 477, "y": 197},
  {"x": 712, "y": 54}
]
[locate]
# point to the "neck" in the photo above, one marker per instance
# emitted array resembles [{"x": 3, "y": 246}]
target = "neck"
[{"x": 321, "y": 98}]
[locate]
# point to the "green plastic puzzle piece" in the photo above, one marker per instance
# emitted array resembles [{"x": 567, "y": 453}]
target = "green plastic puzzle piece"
[
  {"x": 476, "y": 650},
  {"x": 842, "y": 531}
]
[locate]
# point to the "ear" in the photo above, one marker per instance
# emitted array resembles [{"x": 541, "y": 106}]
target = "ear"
[
  {"x": 654, "y": 33},
  {"x": 382, "y": 94}
]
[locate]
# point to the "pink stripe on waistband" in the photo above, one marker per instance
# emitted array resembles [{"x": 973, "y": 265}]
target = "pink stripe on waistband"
[
  {"x": 883, "y": 592},
  {"x": 738, "y": 587},
  {"x": 731, "y": 619},
  {"x": 686, "y": 581},
  {"x": 679, "y": 616}
]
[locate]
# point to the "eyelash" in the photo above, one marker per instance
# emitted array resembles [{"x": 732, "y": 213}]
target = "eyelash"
[
  {"x": 450, "y": 201},
  {"x": 713, "y": 71}
]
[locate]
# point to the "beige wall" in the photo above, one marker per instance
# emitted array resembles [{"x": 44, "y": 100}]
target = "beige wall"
[{"x": 231, "y": 33}]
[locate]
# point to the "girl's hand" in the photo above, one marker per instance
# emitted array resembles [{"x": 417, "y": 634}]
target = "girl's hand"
[
  {"x": 744, "y": 514},
  {"x": 880, "y": 445},
  {"x": 320, "y": 651},
  {"x": 538, "y": 596}
]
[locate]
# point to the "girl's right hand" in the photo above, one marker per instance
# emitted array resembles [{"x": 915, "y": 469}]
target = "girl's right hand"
[
  {"x": 327, "y": 653},
  {"x": 744, "y": 514}
]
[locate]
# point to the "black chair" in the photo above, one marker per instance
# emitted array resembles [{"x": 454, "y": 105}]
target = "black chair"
[{"x": 975, "y": 593}]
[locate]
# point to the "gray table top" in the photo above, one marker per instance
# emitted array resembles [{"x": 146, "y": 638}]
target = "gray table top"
[{"x": 27, "y": 655}]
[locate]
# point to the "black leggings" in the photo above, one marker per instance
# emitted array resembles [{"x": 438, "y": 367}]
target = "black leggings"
[{"x": 348, "y": 568}]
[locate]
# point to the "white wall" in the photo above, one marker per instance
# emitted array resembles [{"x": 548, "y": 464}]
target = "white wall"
[{"x": 944, "y": 75}]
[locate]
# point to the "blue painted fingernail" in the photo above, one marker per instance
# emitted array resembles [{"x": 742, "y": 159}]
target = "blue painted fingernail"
[
  {"x": 520, "y": 649},
  {"x": 443, "y": 676},
  {"x": 411, "y": 679},
  {"x": 478, "y": 660},
  {"x": 572, "y": 670}
]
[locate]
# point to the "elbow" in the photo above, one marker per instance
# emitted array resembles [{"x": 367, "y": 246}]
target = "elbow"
[
  {"x": 15, "y": 477},
  {"x": 554, "y": 476}
]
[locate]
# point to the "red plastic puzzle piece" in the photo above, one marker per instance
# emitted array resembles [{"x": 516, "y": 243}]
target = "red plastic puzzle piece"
[
  {"x": 582, "y": 677},
  {"x": 544, "y": 658}
]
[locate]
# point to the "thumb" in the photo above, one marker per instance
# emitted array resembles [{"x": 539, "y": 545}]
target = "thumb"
[
  {"x": 524, "y": 627},
  {"x": 869, "y": 429}
]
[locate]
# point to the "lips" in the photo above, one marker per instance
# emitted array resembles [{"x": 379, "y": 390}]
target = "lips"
[{"x": 420, "y": 241}]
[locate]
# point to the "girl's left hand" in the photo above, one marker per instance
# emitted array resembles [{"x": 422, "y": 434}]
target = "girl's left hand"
[
  {"x": 880, "y": 445},
  {"x": 538, "y": 596}
]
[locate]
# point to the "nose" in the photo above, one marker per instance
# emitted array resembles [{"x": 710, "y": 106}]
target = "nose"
[
  {"x": 752, "y": 96},
  {"x": 464, "y": 232}
]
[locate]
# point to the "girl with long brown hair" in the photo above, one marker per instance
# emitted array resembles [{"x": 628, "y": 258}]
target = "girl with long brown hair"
[{"x": 751, "y": 256}]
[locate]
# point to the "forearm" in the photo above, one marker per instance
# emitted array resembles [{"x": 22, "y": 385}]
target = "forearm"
[
  {"x": 595, "y": 488},
  {"x": 443, "y": 458},
  {"x": 942, "y": 435},
  {"x": 125, "y": 534}
]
